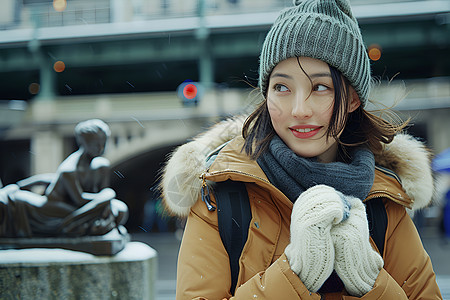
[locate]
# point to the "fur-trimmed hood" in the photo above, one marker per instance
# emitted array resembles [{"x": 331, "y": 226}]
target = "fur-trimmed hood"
[{"x": 181, "y": 183}]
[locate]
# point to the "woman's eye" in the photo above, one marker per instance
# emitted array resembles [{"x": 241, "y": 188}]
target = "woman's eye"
[
  {"x": 281, "y": 88},
  {"x": 320, "y": 88}
]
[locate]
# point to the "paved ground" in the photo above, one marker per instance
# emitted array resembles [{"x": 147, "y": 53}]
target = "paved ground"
[{"x": 167, "y": 244}]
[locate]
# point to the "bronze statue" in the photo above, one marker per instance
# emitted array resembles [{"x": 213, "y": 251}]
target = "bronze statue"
[{"x": 77, "y": 200}]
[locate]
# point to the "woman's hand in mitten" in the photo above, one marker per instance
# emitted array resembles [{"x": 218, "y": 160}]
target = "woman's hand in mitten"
[
  {"x": 356, "y": 262},
  {"x": 311, "y": 251}
]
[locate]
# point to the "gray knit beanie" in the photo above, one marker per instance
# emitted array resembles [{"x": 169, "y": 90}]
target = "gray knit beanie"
[{"x": 321, "y": 29}]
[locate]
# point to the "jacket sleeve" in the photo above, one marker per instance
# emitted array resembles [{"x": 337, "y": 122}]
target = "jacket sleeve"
[
  {"x": 203, "y": 270},
  {"x": 407, "y": 272},
  {"x": 405, "y": 257}
]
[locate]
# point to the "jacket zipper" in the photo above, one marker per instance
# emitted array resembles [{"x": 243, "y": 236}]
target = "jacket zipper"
[
  {"x": 262, "y": 180},
  {"x": 205, "y": 193},
  {"x": 384, "y": 194},
  {"x": 203, "y": 176}
]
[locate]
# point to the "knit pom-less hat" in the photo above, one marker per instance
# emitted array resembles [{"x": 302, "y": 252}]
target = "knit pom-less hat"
[{"x": 321, "y": 29}]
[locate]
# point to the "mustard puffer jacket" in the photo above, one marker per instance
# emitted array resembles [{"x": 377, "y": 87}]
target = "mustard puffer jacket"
[{"x": 264, "y": 272}]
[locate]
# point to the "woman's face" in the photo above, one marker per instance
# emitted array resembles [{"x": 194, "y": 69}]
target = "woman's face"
[{"x": 300, "y": 107}]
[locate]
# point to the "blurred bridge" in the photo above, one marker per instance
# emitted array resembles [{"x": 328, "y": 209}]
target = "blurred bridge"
[{"x": 215, "y": 44}]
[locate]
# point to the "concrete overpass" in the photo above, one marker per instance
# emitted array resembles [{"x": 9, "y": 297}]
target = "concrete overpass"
[{"x": 157, "y": 54}]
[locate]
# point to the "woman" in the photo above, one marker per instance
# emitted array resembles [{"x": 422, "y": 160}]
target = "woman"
[{"x": 307, "y": 156}]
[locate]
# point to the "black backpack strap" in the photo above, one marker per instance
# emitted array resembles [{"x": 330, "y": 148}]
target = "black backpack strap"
[
  {"x": 377, "y": 215},
  {"x": 234, "y": 216},
  {"x": 377, "y": 219}
]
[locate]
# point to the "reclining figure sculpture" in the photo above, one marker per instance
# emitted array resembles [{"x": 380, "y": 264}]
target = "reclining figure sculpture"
[{"x": 77, "y": 201}]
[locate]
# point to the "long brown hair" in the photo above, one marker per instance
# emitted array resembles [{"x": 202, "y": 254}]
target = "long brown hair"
[{"x": 358, "y": 128}]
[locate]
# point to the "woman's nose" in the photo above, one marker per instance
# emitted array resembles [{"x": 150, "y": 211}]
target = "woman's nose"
[{"x": 301, "y": 107}]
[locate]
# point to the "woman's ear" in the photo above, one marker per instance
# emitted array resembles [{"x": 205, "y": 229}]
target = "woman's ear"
[{"x": 354, "y": 101}]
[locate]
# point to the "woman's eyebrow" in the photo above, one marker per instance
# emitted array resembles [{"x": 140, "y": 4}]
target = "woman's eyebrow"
[
  {"x": 315, "y": 75},
  {"x": 283, "y": 75}
]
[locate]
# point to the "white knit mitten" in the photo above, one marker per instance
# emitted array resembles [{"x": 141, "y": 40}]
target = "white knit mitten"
[
  {"x": 311, "y": 251},
  {"x": 356, "y": 262}
]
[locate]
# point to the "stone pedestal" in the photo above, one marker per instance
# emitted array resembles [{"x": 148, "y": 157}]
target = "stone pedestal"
[{"x": 65, "y": 274}]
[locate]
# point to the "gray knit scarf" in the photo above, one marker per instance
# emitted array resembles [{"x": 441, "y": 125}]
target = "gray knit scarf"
[{"x": 293, "y": 174}]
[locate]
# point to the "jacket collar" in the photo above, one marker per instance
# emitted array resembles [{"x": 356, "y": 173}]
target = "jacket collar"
[{"x": 182, "y": 176}]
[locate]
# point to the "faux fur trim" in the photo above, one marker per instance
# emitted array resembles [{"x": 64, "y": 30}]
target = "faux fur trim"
[
  {"x": 410, "y": 160},
  {"x": 180, "y": 184}
]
